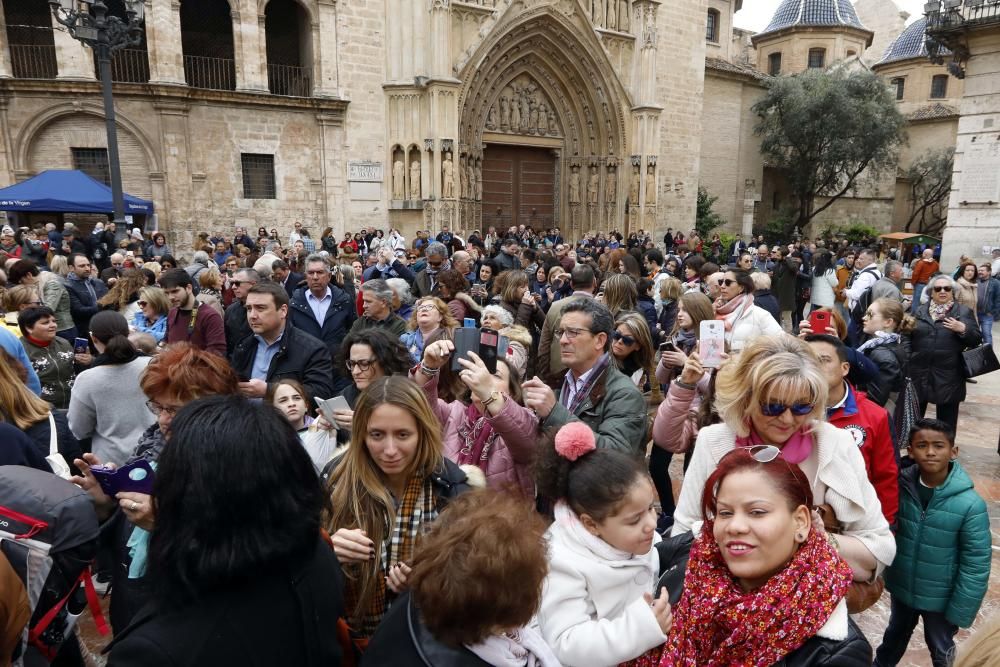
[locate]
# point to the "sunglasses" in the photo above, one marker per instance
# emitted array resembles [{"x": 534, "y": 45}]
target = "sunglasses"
[
  {"x": 778, "y": 409},
  {"x": 626, "y": 340},
  {"x": 942, "y": 288},
  {"x": 763, "y": 453},
  {"x": 726, "y": 282},
  {"x": 141, "y": 304}
]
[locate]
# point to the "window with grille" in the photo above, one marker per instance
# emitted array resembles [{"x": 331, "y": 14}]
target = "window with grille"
[
  {"x": 900, "y": 85},
  {"x": 774, "y": 64},
  {"x": 939, "y": 86},
  {"x": 712, "y": 28},
  {"x": 817, "y": 58},
  {"x": 93, "y": 162},
  {"x": 258, "y": 176}
]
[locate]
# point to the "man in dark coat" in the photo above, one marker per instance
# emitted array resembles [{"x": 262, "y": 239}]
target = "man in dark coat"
[{"x": 84, "y": 291}]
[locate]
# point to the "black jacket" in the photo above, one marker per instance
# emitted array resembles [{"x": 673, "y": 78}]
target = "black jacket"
[
  {"x": 402, "y": 640},
  {"x": 283, "y": 617},
  {"x": 236, "y": 324},
  {"x": 339, "y": 317},
  {"x": 300, "y": 356},
  {"x": 293, "y": 282},
  {"x": 66, "y": 442},
  {"x": 854, "y": 651},
  {"x": 81, "y": 304},
  {"x": 936, "y": 364},
  {"x": 766, "y": 300},
  {"x": 891, "y": 360}
]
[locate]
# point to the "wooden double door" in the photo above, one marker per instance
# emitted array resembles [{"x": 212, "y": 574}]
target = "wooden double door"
[{"x": 518, "y": 187}]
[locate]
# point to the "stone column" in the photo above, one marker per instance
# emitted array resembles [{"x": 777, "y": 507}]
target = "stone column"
[
  {"x": 249, "y": 47},
  {"x": 440, "y": 41},
  {"x": 163, "y": 39},
  {"x": 5, "y": 69},
  {"x": 177, "y": 163},
  {"x": 333, "y": 171},
  {"x": 325, "y": 51},
  {"x": 73, "y": 59}
]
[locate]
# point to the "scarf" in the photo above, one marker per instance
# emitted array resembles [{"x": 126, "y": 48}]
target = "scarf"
[
  {"x": 583, "y": 391},
  {"x": 478, "y": 438},
  {"x": 717, "y": 624},
  {"x": 685, "y": 340},
  {"x": 939, "y": 311},
  {"x": 523, "y": 647},
  {"x": 881, "y": 338},
  {"x": 416, "y": 510},
  {"x": 432, "y": 273},
  {"x": 36, "y": 342},
  {"x": 730, "y": 312},
  {"x": 796, "y": 450}
]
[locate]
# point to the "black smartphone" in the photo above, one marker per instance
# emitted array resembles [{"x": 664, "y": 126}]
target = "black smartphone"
[
  {"x": 81, "y": 346},
  {"x": 466, "y": 340},
  {"x": 668, "y": 346},
  {"x": 489, "y": 340}
]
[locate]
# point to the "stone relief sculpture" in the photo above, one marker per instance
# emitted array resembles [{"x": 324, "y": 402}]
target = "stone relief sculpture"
[
  {"x": 463, "y": 182},
  {"x": 505, "y": 112},
  {"x": 398, "y": 182},
  {"x": 633, "y": 191},
  {"x": 479, "y": 181},
  {"x": 623, "y": 16},
  {"x": 593, "y": 186},
  {"x": 651, "y": 185},
  {"x": 523, "y": 109},
  {"x": 612, "y": 21},
  {"x": 598, "y": 13},
  {"x": 415, "y": 179},
  {"x": 491, "y": 118},
  {"x": 611, "y": 186},
  {"x": 543, "y": 119},
  {"x": 447, "y": 177},
  {"x": 515, "y": 116},
  {"x": 574, "y": 186},
  {"x": 470, "y": 177}
]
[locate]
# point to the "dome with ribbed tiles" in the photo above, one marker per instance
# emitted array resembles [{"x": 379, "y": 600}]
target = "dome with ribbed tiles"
[
  {"x": 807, "y": 13},
  {"x": 911, "y": 43}
]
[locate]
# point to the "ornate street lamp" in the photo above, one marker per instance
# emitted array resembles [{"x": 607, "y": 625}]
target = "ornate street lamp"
[{"x": 88, "y": 21}]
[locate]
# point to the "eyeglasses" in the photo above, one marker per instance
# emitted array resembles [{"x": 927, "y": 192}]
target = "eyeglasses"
[
  {"x": 362, "y": 365},
  {"x": 422, "y": 308},
  {"x": 778, "y": 409},
  {"x": 158, "y": 409},
  {"x": 942, "y": 288},
  {"x": 237, "y": 283},
  {"x": 626, "y": 340},
  {"x": 570, "y": 332},
  {"x": 142, "y": 304}
]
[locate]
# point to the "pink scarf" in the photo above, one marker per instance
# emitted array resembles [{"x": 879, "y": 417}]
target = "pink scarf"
[
  {"x": 730, "y": 312},
  {"x": 478, "y": 438},
  {"x": 796, "y": 450}
]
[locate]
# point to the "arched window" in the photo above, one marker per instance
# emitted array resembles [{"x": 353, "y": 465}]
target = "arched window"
[
  {"x": 29, "y": 39},
  {"x": 289, "y": 49},
  {"x": 207, "y": 42},
  {"x": 817, "y": 58},
  {"x": 899, "y": 83},
  {"x": 939, "y": 86},
  {"x": 712, "y": 27},
  {"x": 774, "y": 64}
]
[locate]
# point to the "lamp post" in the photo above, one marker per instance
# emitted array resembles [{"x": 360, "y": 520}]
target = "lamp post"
[{"x": 89, "y": 22}]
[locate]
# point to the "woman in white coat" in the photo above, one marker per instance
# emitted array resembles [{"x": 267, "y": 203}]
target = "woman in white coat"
[{"x": 744, "y": 321}]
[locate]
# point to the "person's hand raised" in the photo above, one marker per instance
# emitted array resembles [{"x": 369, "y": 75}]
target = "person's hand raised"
[
  {"x": 661, "y": 609},
  {"x": 437, "y": 353}
]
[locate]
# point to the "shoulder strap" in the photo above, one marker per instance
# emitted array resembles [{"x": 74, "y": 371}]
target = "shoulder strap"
[{"x": 53, "y": 436}]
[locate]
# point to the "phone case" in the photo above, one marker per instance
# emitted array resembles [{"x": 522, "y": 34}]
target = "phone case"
[
  {"x": 136, "y": 477},
  {"x": 712, "y": 343}
]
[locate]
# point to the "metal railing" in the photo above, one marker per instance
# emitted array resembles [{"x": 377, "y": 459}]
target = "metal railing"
[
  {"x": 127, "y": 66},
  {"x": 210, "y": 73},
  {"x": 960, "y": 13},
  {"x": 289, "y": 80},
  {"x": 33, "y": 61}
]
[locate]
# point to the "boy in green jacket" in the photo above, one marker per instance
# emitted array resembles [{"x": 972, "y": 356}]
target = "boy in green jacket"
[{"x": 942, "y": 565}]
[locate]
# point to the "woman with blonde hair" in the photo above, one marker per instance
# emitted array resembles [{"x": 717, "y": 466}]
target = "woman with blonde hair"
[
  {"x": 152, "y": 315},
  {"x": 632, "y": 348},
  {"x": 772, "y": 398},
  {"x": 124, "y": 294},
  {"x": 59, "y": 265},
  {"x": 386, "y": 490},
  {"x": 431, "y": 320},
  {"x": 620, "y": 294},
  {"x": 210, "y": 282}
]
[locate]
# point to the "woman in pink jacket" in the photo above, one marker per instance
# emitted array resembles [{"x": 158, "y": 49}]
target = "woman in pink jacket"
[{"x": 495, "y": 434}]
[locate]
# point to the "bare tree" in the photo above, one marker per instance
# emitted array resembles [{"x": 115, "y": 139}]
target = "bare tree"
[{"x": 930, "y": 184}]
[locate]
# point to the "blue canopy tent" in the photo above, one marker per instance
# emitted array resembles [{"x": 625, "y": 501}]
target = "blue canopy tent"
[{"x": 66, "y": 191}]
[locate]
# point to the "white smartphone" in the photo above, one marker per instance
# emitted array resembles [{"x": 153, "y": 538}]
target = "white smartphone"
[{"x": 711, "y": 343}]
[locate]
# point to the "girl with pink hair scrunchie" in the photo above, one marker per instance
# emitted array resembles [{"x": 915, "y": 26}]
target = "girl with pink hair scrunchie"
[{"x": 597, "y": 604}]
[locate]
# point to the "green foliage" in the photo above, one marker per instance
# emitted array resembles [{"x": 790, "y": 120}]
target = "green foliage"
[
  {"x": 706, "y": 219},
  {"x": 860, "y": 234},
  {"x": 930, "y": 185},
  {"x": 824, "y": 129}
]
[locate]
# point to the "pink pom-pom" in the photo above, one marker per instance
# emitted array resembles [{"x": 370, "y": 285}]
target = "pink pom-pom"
[{"x": 574, "y": 440}]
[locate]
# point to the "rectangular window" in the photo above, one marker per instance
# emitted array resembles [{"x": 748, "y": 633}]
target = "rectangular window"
[
  {"x": 712, "y": 29},
  {"x": 817, "y": 58},
  {"x": 258, "y": 176},
  {"x": 899, "y": 84},
  {"x": 774, "y": 64},
  {"x": 93, "y": 162},
  {"x": 939, "y": 86}
]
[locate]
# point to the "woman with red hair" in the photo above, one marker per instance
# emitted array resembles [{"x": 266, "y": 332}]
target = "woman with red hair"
[{"x": 764, "y": 583}]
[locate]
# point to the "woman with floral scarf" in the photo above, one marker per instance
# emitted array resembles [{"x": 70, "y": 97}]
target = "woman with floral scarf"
[{"x": 764, "y": 582}]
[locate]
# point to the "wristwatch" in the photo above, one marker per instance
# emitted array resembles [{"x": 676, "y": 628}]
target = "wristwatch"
[{"x": 495, "y": 395}]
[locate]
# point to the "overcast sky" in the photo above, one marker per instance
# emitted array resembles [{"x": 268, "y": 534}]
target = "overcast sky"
[{"x": 756, "y": 13}]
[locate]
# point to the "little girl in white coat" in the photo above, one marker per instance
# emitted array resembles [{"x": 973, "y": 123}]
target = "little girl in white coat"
[{"x": 597, "y": 606}]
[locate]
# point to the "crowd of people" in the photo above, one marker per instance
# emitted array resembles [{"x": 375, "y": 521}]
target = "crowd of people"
[{"x": 342, "y": 478}]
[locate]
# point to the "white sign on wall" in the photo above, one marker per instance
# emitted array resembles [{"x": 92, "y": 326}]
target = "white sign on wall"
[
  {"x": 365, "y": 172},
  {"x": 980, "y": 179}
]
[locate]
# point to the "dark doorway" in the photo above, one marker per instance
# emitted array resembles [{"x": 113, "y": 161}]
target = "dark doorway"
[{"x": 518, "y": 187}]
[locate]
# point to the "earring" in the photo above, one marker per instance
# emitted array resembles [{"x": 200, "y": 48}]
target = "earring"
[{"x": 799, "y": 537}]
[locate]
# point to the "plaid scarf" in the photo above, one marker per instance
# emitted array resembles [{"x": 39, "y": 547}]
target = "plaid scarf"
[
  {"x": 717, "y": 624},
  {"x": 415, "y": 512},
  {"x": 583, "y": 391}
]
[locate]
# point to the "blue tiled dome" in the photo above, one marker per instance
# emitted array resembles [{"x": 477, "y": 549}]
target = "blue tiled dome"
[
  {"x": 813, "y": 13},
  {"x": 911, "y": 43}
]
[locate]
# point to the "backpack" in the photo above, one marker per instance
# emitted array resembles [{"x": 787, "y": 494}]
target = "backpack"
[
  {"x": 48, "y": 533},
  {"x": 865, "y": 300}
]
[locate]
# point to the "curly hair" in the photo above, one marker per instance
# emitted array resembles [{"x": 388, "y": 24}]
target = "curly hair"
[
  {"x": 390, "y": 352},
  {"x": 182, "y": 373}
]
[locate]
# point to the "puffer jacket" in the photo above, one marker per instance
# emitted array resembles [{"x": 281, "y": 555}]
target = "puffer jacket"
[
  {"x": 513, "y": 451},
  {"x": 936, "y": 364},
  {"x": 852, "y": 651},
  {"x": 943, "y": 553},
  {"x": 756, "y": 322},
  {"x": 891, "y": 360}
]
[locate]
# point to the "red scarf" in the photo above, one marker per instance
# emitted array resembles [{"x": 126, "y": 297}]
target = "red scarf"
[{"x": 717, "y": 624}]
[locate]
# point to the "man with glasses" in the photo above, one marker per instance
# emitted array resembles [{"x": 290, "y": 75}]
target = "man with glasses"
[
  {"x": 323, "y": 310},
  {"x": 376, "y": 300},
  {"x": 84, "y": 291},
  {"x": 235, "y": 319},
  {"x": 436, "y": 256},
  {"x": 762, "y": 261},
  {"x": 593, "y": 390}
]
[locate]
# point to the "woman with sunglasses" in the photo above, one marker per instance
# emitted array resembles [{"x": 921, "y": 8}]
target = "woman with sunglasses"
[
  {"x": 152, "y": 316},
  {"x": 431, "y": 320},
  {"x": 944, "y": 329},
  {"x": 743, "y": 320},
  {"x": 887, "y": 328},
  {"x": 764, "y": 583},
  {"x": 774, "y": 393},
  {"x": 632, "y": 349}
]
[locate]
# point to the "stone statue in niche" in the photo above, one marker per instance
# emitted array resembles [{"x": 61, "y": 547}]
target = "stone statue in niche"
[
  {"x": 599, "y": 15},
  {"x": 479, "y": 181},
  {"x": 525, "y": 111},
  {"x": 611, "y": 186},
  {"x": 533, "y": 115},
  {"x": 415, "y": 179},
  {"x": 593, "y": 186},
  {"x": 447, "y": 177},
  {"x": 398, "y": 182},
  {"x": 633, "y": 191},
  {"x": 623, "y": 16},
  {"x": 463, "y": 183},
  {"x": 612, "y": 23},
  {"x": 574, "y": 186},
  {"x": 553, "y": 128},
  {"x": 651, "y": 185},
  {"x": 543, "y": 119},
  {"x": 504, "y": 112},
  {"x": 515, "y": 115},
  {"x": 470, "y": 177},
  {"x": 491, "y": 118}
]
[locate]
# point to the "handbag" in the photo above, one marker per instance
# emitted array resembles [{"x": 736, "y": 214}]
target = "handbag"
[
  {"x": 55, "y": 460},
  {"x": 907, "y": 412},
  {"x": 980, "y": 361}
]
